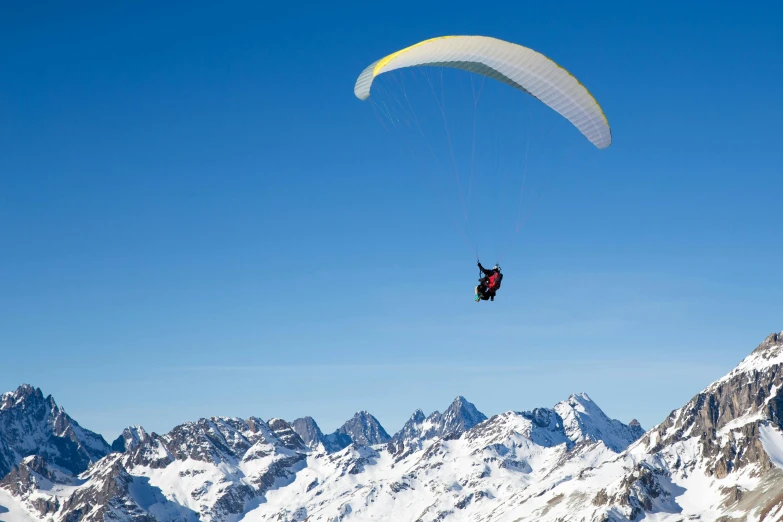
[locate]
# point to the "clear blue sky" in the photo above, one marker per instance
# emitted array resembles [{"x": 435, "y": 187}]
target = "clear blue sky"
[{"x": 163, "y": 166}]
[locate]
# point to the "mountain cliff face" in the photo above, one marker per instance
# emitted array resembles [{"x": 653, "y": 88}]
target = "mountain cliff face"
[
  {"x": 308, "y": 431},
  {"x": 718, "y": 458},
  {"x": 722, "y": 449},
  {"x": 31, "y": 424}
]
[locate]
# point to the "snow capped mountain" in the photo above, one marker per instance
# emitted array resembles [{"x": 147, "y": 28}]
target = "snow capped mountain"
[
  {"x": 130, "y": 439},
  {"x": 460, "y": 416},
  {"x": 31, "y": 424},
  {"x": 365, "y": 429},
  {"x": 287, "y": 435},
  {"x": 480, "y": 474},
  {"x": 718, "y": 458},
  {"x": 218, "y": 469},
  {"x": 309, "y": 432},
  {"x": 212, "y": 469},
  {"x": 362, "y": 428},
  {"x": 584, "y": 421},
  {"x": 413, "y": 429}
]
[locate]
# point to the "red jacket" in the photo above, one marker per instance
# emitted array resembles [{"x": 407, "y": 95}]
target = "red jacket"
[{"x": 494, "y": 281}]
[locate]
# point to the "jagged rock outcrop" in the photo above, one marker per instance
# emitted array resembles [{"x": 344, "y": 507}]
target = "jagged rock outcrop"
[
  {"x": 412, "y": 429},
  {"x": 111, "y": 493},
  {"x": 31, "y": 424},
  {"x": 583, "y": 421},
  {"x": 130, "y": 439},
  {"x": 460, "y": 416},
  {"x": 308, "y": 431},
  {"x": 362, "y": 429},
  {"x": 27, "y": 477},
  {"x": 287, "y": 435}
]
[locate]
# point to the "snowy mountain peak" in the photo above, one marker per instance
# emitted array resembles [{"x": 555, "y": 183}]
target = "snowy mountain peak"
[
  {"x": 766, "y": 356},
  {"x": 308, "y": 431},
  {"x": 458, "y": 418},
  {"x": 130, "y": 438},
  {"x": 287, "y": 435},
  {"x": 364, "y": 429},
  {"x": 582, "y": 402},
  {"x": 580, "y": 397},
  {"x": 459, "y": 399},
  {"x": 461, "y": 416},
  {"x": 584, "y": 421},
  {"x": 460, "y": 403},
  {"x": 31, "y": 424},
  {"x": 418, "y": 416},
  {"x": 412, "y": 430},
  {"x": 24, "y": 394},
  {"x": 750, "y": 393},
  {"x": 769, "y": 346},
  {"x": 575, "y": 403},
  {"x": 773, "y": 339}
]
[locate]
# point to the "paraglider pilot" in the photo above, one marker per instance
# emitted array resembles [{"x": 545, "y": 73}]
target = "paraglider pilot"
[{"x": 489, "y": 283}]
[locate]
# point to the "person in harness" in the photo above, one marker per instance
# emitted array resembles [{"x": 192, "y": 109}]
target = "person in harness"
[{"x": 489, "y": 283}]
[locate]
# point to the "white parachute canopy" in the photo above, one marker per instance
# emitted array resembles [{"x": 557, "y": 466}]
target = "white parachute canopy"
[{"x": 522, "y": 68}]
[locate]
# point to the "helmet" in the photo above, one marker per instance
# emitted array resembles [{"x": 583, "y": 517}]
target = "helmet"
[{"x": 496, "y": 267}]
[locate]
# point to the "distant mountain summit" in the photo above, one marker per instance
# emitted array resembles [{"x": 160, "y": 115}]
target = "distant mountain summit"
[
  {"x": 287, "y": 435},
  {"x": 309, "y": 432},
  {"x": 362, "y": 429},
  {"x": 130, "y": 439},
  {"x": 31, "y": 424},
  {"x": 583, "y": 421},
  {"x": 413, "y": 428},
  {"x": 460, "y": 416}
]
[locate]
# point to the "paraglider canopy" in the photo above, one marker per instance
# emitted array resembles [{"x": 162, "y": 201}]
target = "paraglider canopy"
[{"x": 513, "y": 64}]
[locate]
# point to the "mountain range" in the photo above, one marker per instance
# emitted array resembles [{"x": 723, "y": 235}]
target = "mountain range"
[{"x": 719, "y": 457}]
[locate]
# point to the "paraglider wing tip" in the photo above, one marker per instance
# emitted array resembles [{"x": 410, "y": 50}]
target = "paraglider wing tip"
[
  {"x": 364, "y": 82},
  {"x": 608, "y": 142}
]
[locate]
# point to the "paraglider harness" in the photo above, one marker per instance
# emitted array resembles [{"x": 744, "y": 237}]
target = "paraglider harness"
[{"x": 489, "y": 282}]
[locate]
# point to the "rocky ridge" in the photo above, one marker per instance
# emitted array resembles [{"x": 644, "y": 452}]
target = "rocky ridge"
[{"x": 719, "y": 457}]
